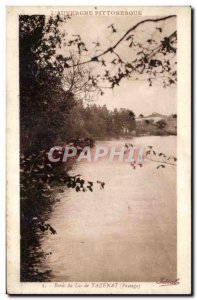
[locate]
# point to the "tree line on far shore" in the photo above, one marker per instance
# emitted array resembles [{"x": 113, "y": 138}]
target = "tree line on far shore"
[{"x": 97, "y": 121}]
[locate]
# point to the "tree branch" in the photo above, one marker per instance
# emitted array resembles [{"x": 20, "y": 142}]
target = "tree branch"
[
  {"x": 110, "y": 50},
  {"x": 159, "y": 161}
]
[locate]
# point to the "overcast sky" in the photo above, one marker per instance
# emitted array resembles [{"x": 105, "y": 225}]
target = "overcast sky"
[
  {"x": 141, "y": 98},
  {"x": 135, "y": 95}
]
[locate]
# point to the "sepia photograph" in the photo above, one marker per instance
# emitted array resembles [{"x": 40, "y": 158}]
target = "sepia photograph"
[{"x": 98, "y": 145}]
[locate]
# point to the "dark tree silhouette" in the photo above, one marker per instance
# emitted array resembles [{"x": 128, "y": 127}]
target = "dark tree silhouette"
[{"x": 160, "y": 124}]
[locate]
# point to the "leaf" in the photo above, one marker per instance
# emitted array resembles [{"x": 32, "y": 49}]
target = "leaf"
[
  {"x": 159, "y": 28},
  {"x": 128, "y": 38},
  {"x": 77, "y": 189},
  {"x": 149, "y": 41},
  {"x": 53, "y": 231},
  {"x": 162, "y": 166},
  {"x": 148, "y": 152},
  {"x": 95, "y": 58},
  {"x": 40, "y": 166}
]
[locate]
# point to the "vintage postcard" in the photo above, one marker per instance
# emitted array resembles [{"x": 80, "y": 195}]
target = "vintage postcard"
[{"x": 99, "y": 150}]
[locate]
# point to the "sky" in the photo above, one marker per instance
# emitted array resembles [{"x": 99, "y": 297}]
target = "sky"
[
  {"x": 140, "y": 98},
  {"x": 132, "y": 94}
]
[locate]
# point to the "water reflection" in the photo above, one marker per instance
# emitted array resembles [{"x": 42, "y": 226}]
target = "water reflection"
[{"x": 126, "y": 232}]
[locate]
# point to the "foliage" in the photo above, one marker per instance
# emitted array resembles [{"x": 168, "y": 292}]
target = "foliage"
[
  {"x": 43, "y": 101},
  {"x": 40, "y": 183},
  {"x": 98, "y": 122},
  {"x": 161, "y": 159},
  {"x": 152, "y": 59},
  {"x": 160, "y": 124}
]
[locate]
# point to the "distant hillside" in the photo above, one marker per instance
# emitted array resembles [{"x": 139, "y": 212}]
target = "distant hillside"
[
  {"x": 155, "y": 114},
  {"x": 156, "y": 124}
]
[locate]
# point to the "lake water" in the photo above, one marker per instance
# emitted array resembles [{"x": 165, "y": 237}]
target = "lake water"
[{"x": 126, "y": 232}]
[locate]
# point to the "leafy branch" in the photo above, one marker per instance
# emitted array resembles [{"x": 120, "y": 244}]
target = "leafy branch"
[
  {"x": 110, "y": 50},
  {"x": 151, "y": 155}
]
